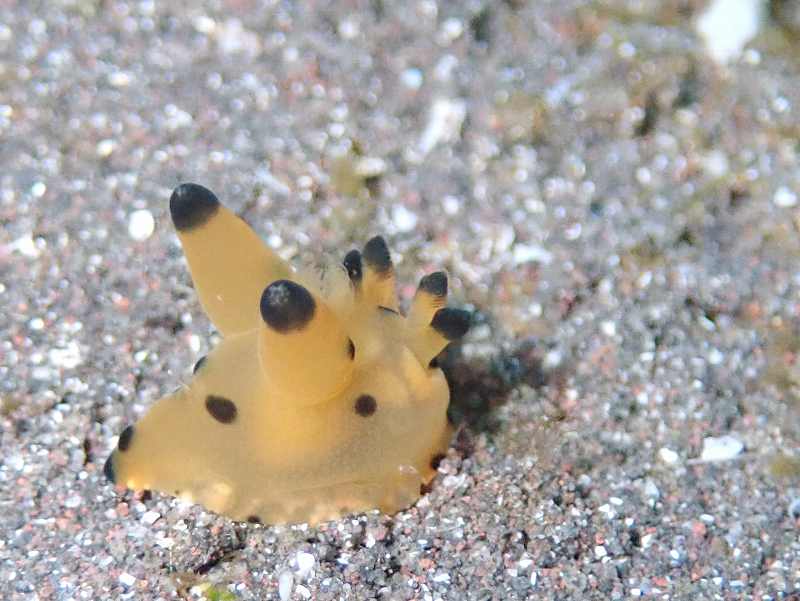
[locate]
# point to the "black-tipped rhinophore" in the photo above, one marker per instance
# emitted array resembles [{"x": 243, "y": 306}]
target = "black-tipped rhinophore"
[
  {"x": 376, "y": 255},
  {"x": 287, "y": 306},
  {"x": 434, "y": 284},
  {"x": 191, "y": 205},
  {"x": 108, "y": 469},
  {"x": 352, "y": 263},
  {"x": 451, "y": 323}
]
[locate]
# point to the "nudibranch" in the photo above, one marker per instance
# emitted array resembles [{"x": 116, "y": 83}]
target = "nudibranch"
[{"x": 321, "y": 399}]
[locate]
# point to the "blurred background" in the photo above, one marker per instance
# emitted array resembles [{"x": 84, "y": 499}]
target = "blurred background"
[{"x": 612, "y": 186}]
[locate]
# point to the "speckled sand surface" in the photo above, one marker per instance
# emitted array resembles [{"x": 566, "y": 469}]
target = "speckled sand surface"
[{"x": 621, "y": 213}]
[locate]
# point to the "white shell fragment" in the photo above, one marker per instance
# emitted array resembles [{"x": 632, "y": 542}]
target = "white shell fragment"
[
  {"x": 444, "y": 125},
  {"x": 722, "y": 448},
  {"x": 141, "y": 225}
]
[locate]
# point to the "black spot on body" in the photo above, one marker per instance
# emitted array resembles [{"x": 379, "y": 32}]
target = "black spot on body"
[
  {"x": 434, "y": 284},
  {"x": 366, "y": 405},
  {"x": 451, "y": 323},
  {"x": 287, "y": 306},
  {"x": 191, "y": 206},
  {"x": 436, "y": 460},
  {"x": 376, "y": 255},
  {"x": 253, "y": 519},
  {"x": 108, "y": 469},
  {"x": 221, "y": 409},
  {"x": 200, "y": 363},
  {"x": 351, "y": 349},
  {"x": 388, "y": 310},
  {"x": 125, "y": 439},
  {"x": 352, "y": 263}
]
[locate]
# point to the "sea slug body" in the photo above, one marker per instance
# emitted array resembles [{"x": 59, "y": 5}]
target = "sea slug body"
[{"x": 321, "y": 399}]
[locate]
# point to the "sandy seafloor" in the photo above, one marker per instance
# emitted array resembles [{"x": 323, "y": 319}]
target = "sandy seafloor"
[{"x": 620, "y": 211}]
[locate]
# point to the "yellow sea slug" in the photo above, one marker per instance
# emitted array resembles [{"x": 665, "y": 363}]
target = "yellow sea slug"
[{"x": 322, "y": 398}]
